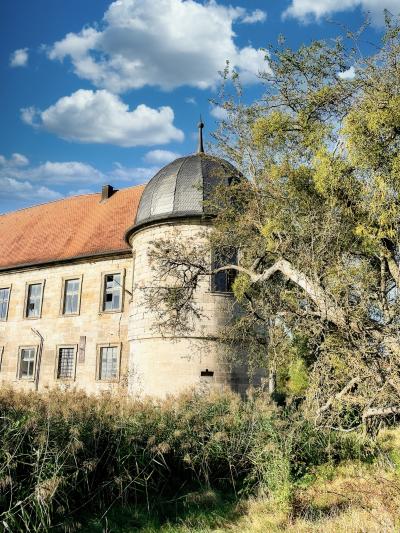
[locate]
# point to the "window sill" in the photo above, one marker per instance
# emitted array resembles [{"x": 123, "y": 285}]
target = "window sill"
[
  {"x": 221, "y": 293},
  {"x": 111, "y": 312}
]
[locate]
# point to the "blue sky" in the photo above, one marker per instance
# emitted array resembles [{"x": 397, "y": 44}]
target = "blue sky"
[{"x": 94, "y": 91}]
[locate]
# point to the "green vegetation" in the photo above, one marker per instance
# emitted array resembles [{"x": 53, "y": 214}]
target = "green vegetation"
[
  {"x": 70, "y": 462},
  {"x": 316, "y": 223}
]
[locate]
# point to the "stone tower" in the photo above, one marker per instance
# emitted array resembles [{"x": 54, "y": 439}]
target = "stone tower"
[{"x": 173, "y": 204}]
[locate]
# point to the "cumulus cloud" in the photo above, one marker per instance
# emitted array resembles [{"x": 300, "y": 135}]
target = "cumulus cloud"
[
  {"x": 161, "y": 157},
  {"x": 16, "y": 160},
  {"x": 165, "y": 43},
  {"x": 50, "y": 173},
  {"x": 308, "y": 10},
  {"x": 27, "y": 184},
  {"x": 256, "y": 16},
  {"x": 19, "y": 58},
  {"x": 101, "y": 117},
  {"x": 219, "y": 112},
  {"x": 24, "y": 190},
  {"x": 132, "y": 174}
]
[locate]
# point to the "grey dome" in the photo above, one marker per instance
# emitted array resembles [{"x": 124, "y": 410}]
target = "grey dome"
[{"x": 180, "y": 188}]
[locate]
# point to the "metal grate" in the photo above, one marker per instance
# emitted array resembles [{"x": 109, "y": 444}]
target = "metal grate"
[{"x": 65, "y": 363}]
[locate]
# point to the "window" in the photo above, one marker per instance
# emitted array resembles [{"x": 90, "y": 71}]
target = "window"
[
  {"x": 108, "y": 363},
  {"x": 4, "y": 301},
  {"x": 112, "y": 292},
  {"x": 34, "y": 300},
  {"x": 66, "y": 362},
  {"x": 71, "y": 296},
  {"x": 27, "y": 363},
  {"x": 223, "y": 281}
]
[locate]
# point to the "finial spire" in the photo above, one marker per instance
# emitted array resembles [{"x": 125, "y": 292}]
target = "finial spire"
[{"x": 200, "y": 148}]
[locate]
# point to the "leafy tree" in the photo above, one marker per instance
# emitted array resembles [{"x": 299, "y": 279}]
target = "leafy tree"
[{"x": 316, "y": 224}]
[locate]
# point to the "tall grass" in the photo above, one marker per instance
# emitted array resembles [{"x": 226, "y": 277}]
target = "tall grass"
[{"x": 62, "y": 454}]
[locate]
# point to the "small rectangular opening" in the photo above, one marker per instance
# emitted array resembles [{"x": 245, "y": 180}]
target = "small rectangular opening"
[{"x": 206, "y": 373}]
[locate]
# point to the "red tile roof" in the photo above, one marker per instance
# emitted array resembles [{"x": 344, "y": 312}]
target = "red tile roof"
[{"x": 79, "y": 226}]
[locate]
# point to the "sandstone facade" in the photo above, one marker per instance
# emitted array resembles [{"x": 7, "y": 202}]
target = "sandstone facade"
[{"x": 86, "y": 332}]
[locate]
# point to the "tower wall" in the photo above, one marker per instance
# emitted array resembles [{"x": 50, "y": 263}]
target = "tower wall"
[{"x": 162, "y": 365}]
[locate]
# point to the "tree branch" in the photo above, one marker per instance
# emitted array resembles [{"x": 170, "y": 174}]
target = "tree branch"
[{"x": 339, "y": 395}]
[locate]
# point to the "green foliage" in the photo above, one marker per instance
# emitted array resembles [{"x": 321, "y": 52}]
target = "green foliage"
[
  {"x": 298, "y": 377},
  {"x": 321, "y": 155},
  {"x": 64, "y": 456}
]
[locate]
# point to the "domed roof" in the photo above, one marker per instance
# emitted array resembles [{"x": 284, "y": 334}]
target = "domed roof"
[{"x": 181, "y": 187}]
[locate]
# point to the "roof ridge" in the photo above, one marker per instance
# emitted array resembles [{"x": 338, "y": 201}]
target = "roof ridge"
[{"x": 64, "y": 198}]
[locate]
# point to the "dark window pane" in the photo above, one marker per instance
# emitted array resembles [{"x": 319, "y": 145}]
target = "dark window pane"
[
  {"x": 112, "y": 292},
  {"x": 223, "y": 281},
  {"x": 34, "y": 300}
]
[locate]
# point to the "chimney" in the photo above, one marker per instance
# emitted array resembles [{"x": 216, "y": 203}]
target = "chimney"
[{"x": 106, "y": 192}]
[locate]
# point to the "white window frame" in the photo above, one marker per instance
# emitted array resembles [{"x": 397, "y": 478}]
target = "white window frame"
[
  {"x": 35, "y": 351},
  {"x": 116, "y": 345},
  {"x": 9, "y": 287},
  {"x": 27, "y": 285},
  {"x": 121, "y": 272},
  {"x": 63, "y": 287}
]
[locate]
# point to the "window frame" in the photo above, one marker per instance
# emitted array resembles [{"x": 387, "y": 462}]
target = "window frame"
[
  {"x": 58, "y": 348},
  {"x": 122, "y": 273},
  {"x": 212, "y": 289},
  {"x": 117, "y": 345},
  {"x": 28, "y": 347},
  {"x": 62, "y": 299},
  {"x": 42, "y": 283},
  {"x": 9, "y": 287}
]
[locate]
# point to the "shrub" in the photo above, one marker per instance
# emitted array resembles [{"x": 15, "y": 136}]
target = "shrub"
[{"x": 64, "y": 453}]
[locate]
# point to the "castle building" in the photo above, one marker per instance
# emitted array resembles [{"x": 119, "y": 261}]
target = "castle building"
[{"x": 72, "y": 274}]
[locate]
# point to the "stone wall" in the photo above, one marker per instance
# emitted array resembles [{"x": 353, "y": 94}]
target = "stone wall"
[
  {"x": 161, "y": 364},
  {"x": 85, "y": 332}
]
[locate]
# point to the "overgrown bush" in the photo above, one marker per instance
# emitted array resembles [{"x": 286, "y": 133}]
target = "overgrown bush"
[{"x": 64, "y": 453}]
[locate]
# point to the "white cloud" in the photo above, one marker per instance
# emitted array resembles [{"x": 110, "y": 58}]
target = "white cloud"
[
  {"x": 165, "y": 43},
  {"x": 161, "y": 157},
  {"x": 256, "y": 16},
  {"x": 16, "y": 160},
  {"x": 19, "y": 58},
  {"x": 308, "y": 10},
  {"x": 132, "y": 174},
  {"x": 101, "y": 117},
  {"x": 347, "y": 74},
  {"x": 219, "y": 112},
  {"x": 51, "y": 173},
  {"x": 10, "y": 188},
  {"x": 191, "y": 100},
  {"x": 25, "y": 185}
]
